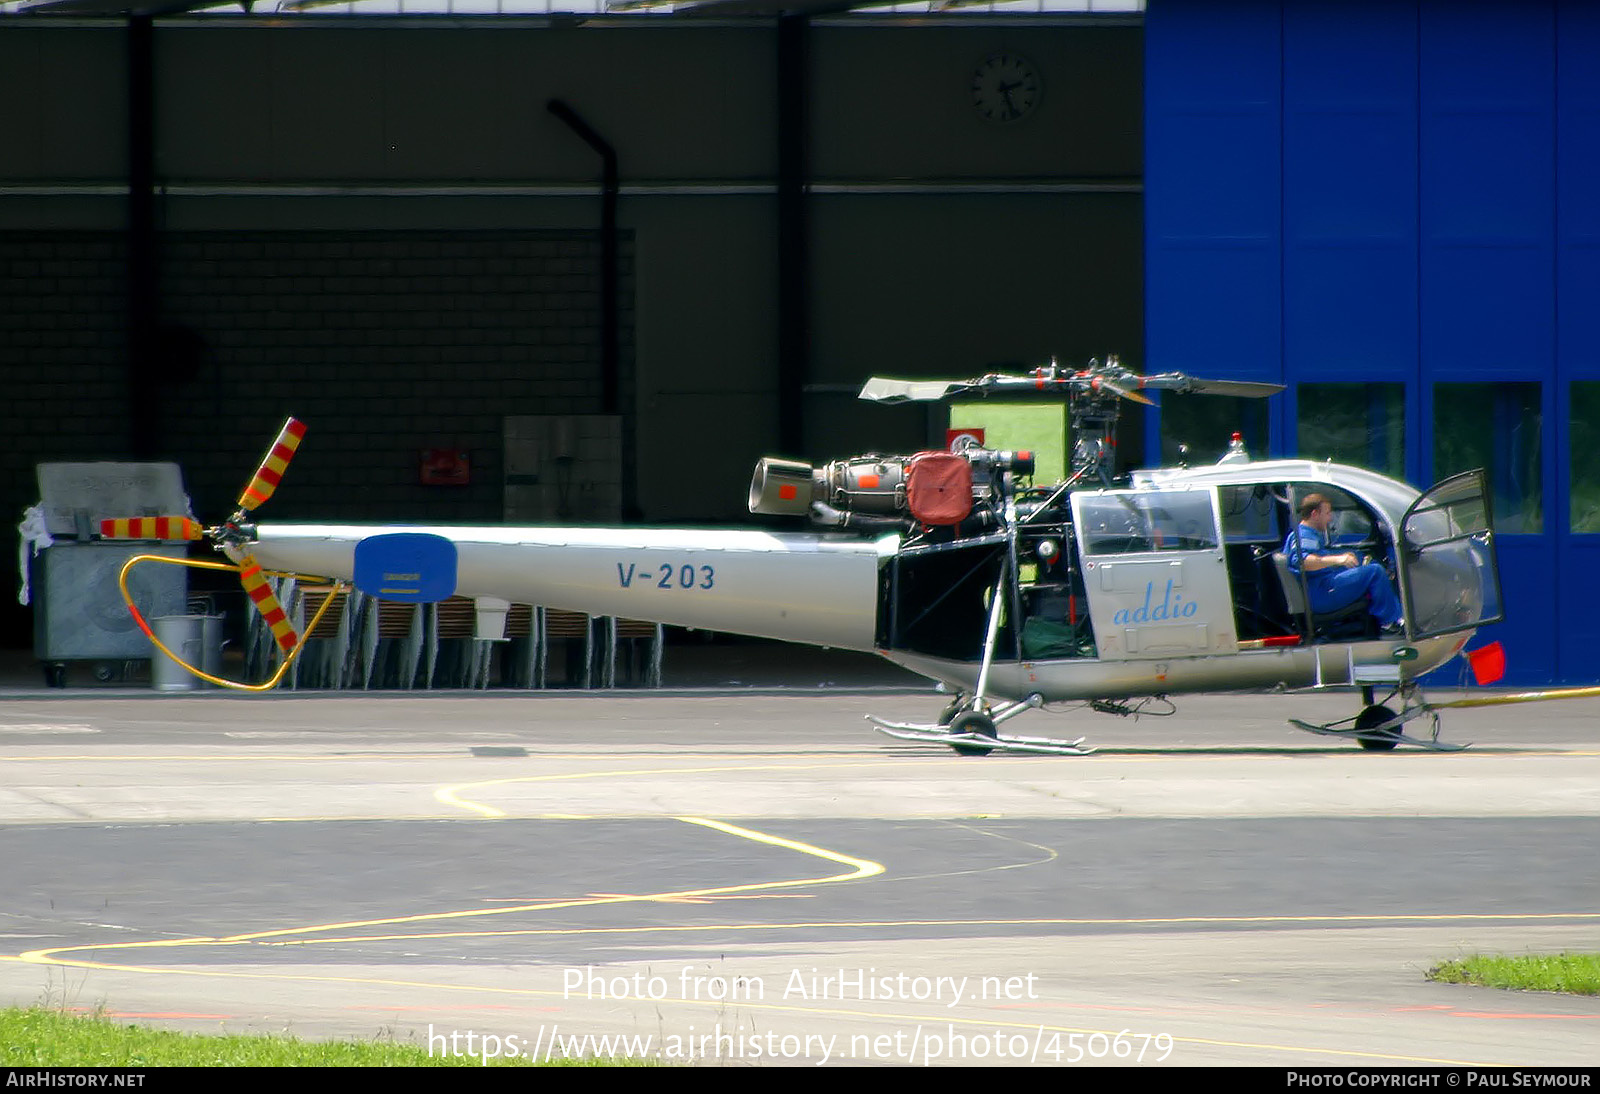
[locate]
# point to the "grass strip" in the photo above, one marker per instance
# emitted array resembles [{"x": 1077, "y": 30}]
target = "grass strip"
[
  {"x": 45, "y": 1037},
  {"x": 1575, "y": 973}
]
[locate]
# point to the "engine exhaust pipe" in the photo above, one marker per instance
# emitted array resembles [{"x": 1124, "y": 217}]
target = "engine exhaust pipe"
[{"x": 781, "y": 488}]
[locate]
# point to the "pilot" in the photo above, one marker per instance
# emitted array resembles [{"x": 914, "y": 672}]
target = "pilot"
[{"x": 1337, "y": 579}]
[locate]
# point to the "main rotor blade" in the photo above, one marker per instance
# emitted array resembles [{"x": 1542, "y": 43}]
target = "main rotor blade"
[
  {"x": 1050, "y": 383},
  {"x": 1195, "y": 385},
  {"x": 1243, "y": 389},
  {"x": 881, "y": 389}
]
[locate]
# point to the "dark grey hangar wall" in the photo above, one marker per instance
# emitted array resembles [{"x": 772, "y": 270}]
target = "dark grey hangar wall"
[
  {"x": 378, "y": 226},
  {"x": 1394, "y": 208}
]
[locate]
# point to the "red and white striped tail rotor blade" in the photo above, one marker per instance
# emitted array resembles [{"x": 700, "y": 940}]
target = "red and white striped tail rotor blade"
[
  {"x": 150, "y": 528},
  {"x": 273, "y": 465},
  {"x": 259, "y": 590}
]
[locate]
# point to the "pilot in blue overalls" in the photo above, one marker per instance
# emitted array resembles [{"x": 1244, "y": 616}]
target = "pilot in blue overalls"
[{"x": 1337, "y": 579}]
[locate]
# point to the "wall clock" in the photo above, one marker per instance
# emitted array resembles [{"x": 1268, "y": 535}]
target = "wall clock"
[{"x": 1006, "y": 87}]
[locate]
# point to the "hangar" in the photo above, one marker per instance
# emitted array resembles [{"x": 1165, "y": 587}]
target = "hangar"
[{"x": 674, "y": 239}]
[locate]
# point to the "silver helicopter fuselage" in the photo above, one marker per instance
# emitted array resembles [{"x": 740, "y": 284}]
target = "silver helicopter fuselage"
[{"x": 828, "y": 590}]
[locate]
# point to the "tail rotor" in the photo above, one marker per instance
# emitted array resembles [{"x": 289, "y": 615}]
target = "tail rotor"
[{"x": 233, "y": 536}]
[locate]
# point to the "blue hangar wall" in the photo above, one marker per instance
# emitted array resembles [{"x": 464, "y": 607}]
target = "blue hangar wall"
[{"x": 1402, "y": 195}]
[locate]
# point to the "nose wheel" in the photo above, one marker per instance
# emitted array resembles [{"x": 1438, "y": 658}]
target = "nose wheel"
[
  {"x": 1375, "y": 739},
  {"x": 973, "y": 724}
]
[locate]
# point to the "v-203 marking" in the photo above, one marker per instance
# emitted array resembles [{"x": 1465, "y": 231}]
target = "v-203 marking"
[{"x": 686, "y": 576}]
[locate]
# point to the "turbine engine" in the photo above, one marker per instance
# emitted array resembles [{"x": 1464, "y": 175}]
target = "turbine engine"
[{"x": 891, "y": 493}]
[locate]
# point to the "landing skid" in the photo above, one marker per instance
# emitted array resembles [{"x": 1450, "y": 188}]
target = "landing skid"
[
  {"x": 1377, "y": 729},
  {"x": 970, "y": 723},
  {"x": 972, "y": 729},
  {"x": 978, "y": 743}
]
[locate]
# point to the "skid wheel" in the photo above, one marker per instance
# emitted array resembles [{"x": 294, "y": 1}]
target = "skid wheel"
[
  {"x": 973, "y": 722},
  {"x": 1376, "y": 715}
]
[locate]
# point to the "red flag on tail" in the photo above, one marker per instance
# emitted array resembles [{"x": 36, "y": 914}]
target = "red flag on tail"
[{"x": 1488, "y": 663}]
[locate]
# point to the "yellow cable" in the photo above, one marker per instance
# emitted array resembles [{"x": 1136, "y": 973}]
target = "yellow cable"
[
  {"x": 200, "y": 564},
  {"x": 1519, "y": 697}
]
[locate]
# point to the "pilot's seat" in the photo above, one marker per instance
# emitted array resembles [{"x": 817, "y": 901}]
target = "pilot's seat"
[{"x": 1350, "y": 621}]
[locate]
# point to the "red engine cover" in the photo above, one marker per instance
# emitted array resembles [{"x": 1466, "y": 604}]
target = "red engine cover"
[{"x": 939, "y": 488}]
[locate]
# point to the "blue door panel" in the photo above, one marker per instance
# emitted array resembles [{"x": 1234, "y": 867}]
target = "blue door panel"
[
  {"x": 1528, "y": 586},
  {"x": 1227, "y": 50},
  {"x": 1350, "y": 174},
  {"x": 1360, "y": 55},
  {"x": 1488, "y": 311},
  {"x": 1221, "y": 167},
  {"x": 1350, "y": 308},
  {"x": 1577, "y": 316},
  {"x": 1349, "y": 203},
  {"x": 1370, "y": 190},
  {"x": 1219, "y": 319},
  {"x": 1472, "y": 51},
  {"x": 1213, "y": 255},
  {"x": 1486, "y": 258},
  {"x": 1578, "y": 608},
  {"x": 1487, "y": 196},
  {"x": 1578, "y": 186}
]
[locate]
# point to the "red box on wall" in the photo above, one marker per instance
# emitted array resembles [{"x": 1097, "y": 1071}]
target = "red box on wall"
[{"x": 445, "y": 467}]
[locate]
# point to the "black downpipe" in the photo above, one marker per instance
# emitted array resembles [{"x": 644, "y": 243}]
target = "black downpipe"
[
  {"x": 610, "y": 335},
  {"x": 144, "y": 388},
  {"x": 794, "y": 237}
]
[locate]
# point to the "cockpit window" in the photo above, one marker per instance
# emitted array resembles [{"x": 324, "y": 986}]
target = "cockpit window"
[
  {"x": 1248, "y": 513},
  {"x": 1452, "y": 578},
  {"x": 1352, "y": 521},
  {"x": 1127, "y": 523},
  {"x": 1456, "y": 507}
]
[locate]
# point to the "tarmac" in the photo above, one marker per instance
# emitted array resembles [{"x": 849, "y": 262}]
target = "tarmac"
[{"x": 735, "y": 871}]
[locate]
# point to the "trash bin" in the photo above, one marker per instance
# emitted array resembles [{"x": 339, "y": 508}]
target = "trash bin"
[
  {"x": 210, "y": 648},
  {"x": 184, "y": 635}
]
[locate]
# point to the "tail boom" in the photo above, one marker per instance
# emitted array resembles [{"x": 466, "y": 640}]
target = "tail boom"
[{"x": 818, "y": 590}]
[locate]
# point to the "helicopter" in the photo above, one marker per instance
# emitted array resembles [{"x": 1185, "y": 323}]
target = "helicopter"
[{"x": 1117, "y": 593}]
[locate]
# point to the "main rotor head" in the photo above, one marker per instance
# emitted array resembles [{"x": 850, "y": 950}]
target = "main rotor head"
[{"x": 1094, "y": 397}]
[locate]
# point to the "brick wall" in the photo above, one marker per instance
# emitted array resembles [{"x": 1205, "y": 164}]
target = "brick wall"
[
  {"x": 61, "y": 352},
  {"x": 384, "y": 342}
]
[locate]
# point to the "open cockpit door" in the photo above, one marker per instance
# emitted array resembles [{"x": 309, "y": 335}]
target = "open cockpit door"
[
  {"x": 1154, "y": 572},
  {"x": 1449, "y": 573}
]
